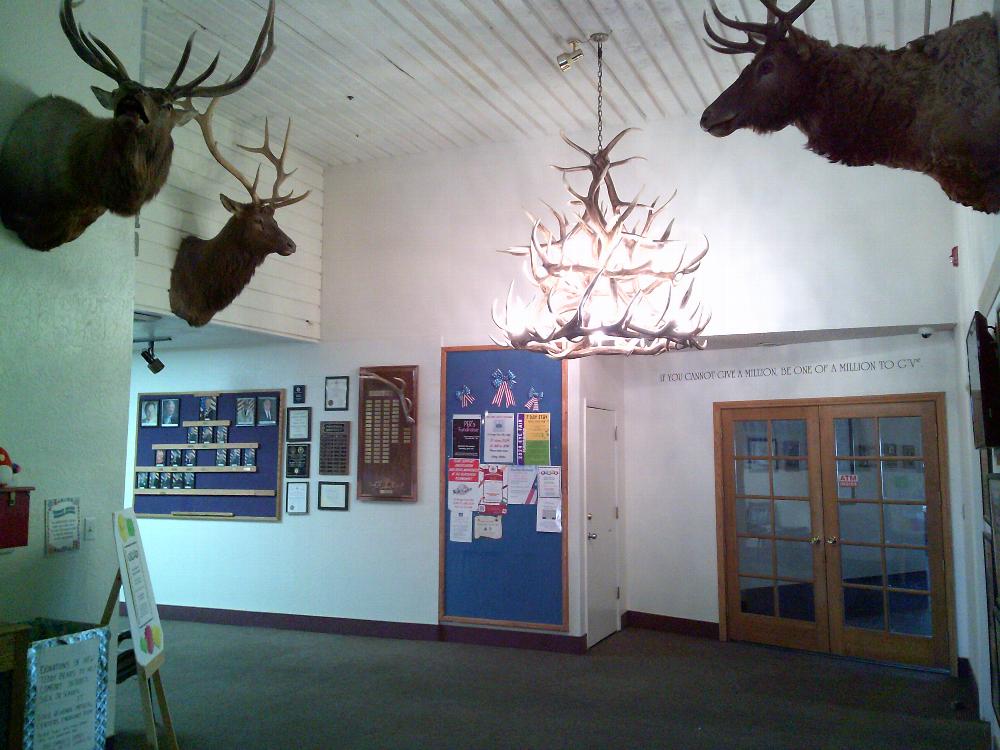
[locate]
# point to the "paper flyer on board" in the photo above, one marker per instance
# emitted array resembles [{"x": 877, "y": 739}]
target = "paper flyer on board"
[
  {"x": 465, "y": 435},
  {"x": 550, "y": 481},
  {"x": 493, "y": 478},
  {"x": 464, "y": 490},
  {"x": 534, "y": 438},
  {"x": 460, "y": 528},
  {"x": 488, "y": 527},
  {"x": 498, "y": 437},
  {"x": 549, "y": 514},
  {"x": 62, "y": 524},
  {"x": 521, "y": 485}
]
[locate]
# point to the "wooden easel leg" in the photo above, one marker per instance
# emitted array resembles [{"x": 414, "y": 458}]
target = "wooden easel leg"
[
  {"x": 147, "y": 710},
  {"x": 168, "y": 724}
]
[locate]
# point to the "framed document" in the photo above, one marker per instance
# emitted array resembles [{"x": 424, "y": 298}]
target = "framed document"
[
  {"x": 298, "y": 424},
  {"x": 337, "y": 393},
  {"x": 296, "y": 498},
  {"x": 335, "y": 448},
  {"x": 333, "y": 495}
]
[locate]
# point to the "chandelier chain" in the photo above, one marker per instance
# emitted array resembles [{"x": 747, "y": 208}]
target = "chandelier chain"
[{"x": 600, "y": 96}]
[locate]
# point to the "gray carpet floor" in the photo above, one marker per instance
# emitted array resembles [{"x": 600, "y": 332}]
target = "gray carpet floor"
[{"x": 250, "y": 688}]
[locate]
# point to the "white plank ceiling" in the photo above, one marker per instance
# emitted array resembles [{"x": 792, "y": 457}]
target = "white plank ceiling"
[{"x": 368, "y": 79}]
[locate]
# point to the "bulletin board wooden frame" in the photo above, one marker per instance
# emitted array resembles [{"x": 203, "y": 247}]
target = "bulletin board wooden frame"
[
  {"x": 443, "y": 540},
  {"x": 267, "y": 499}
]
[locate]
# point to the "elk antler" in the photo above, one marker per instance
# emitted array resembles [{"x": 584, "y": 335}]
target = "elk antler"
[
  {"x": 101, "y": 58},
  {"x": 204, "y": 120},
  {"x": 778, "y": 23}
]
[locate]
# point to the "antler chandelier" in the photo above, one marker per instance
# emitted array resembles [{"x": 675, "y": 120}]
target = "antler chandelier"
[{"x": 607, "y": 282}]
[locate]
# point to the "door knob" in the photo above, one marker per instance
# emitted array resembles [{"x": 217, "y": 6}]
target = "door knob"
[
  {"x": 590, "y": 516},
  {"x": 831, "y": 540},
  {"x": 591, "y": 535},
  {"x": 815, "y": 540}
]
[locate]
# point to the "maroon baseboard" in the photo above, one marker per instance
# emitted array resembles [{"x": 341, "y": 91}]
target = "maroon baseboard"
[
  {"x": 376, "y": 628},
  {"x": 698, "y": 628}
]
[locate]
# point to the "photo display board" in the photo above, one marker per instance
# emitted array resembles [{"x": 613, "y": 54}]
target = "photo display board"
[
  {"x": 193, "y": 461},
  {"x": 503, "y": 489}
]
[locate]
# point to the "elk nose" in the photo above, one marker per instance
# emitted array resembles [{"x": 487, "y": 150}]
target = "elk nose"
[{"x": 289, "y": 248}]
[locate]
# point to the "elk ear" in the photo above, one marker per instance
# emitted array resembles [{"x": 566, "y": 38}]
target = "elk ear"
[
  {"x": 800, "y": 43},
  {"x": 106, "y": 98},
  {"x": 229, "y": 204}
]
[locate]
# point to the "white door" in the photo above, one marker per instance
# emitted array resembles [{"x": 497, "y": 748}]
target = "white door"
[{"x": 602, "y": 526}]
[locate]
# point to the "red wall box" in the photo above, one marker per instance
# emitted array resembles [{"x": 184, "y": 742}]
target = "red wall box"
[{"x": 14, "y": 502}]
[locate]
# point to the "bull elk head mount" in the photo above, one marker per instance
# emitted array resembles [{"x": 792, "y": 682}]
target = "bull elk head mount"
[
  {"x": 209, "y": 274},
  {"x": 61, "y": 168},
  {"x": 932, "y": 106}
]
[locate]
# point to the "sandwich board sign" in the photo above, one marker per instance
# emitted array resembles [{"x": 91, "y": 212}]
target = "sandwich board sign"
[{"x": 144, "y": 620}]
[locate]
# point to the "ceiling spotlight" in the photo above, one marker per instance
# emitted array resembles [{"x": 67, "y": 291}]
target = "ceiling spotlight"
[
  {"x": 565, "y": 60},
  {"x": 152, "y": 362}
]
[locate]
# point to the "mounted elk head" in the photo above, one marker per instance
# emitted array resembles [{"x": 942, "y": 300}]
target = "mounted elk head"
[
  {"x": 209, "y": 274},
  {"x": 932, "y": 106},
  {"x": 61, "y": 168}
]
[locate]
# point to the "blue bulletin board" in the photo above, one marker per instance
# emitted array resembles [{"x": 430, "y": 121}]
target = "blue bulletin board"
[
  {"x": 219, "y": 465},
  {"x": 518, "y": 579}
]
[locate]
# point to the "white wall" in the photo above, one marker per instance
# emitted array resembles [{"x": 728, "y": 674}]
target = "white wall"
[
  {"x": 670, "y": 471},
  {"x": 65, "y": 349}
]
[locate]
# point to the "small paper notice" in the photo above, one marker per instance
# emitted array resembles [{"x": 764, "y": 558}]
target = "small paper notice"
[
  {"x": 461, "y": 526},
  {"x": 498, "y": 432},
  {"x": 464, "y": 492},
  {"x": 62, "y": 525},
  {"x": 550, "y": 481},
  {"x": 489, "y": 527},
  {"x": 521, "y": 485},
  {"x": 549, "y": 515}
]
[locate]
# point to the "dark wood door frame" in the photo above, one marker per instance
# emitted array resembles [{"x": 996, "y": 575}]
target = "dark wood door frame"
[{"x": 937, "y": 399}]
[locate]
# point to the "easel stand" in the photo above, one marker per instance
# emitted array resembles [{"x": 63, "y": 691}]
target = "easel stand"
[{"x": 149, "y": 679}]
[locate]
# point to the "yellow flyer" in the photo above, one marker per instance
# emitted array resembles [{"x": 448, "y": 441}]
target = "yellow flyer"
[{"x": 533, "y": 439}]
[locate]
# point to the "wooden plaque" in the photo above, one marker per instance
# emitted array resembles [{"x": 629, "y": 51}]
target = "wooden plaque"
[
  {"x": 387, "y": 442},
  {"x": 335, "y": 448}
]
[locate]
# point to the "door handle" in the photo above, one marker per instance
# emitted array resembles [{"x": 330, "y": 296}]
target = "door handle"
[
  {"x": 831, "y": 540},
  {"x": 591, "y": 535}
]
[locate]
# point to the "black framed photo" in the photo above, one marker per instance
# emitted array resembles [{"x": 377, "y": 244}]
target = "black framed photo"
[
  {"x": 298, "y": 424},
  {"x": 153, "y": 481},
  {"x": 296, "y": 498},
  {"x": 297, "y": 460},
  {"x": 149, "y": 414},
  {"x": 190, "y": 457},
  {"x": 206, "y": 435},
  {"x": 246, "y": 411},
  {"x": 175, "y": 457},
  {"x": 249, "y": 456},
  {"x": 334, "y": 495},
  {"x": 222, "y": 434},
  {"x": 165, "y": 480},
  {"x": 160, "y": 457},
  {"x": 208, "y": 408},
  {"x": 192, "y": 434},
  {"x": 141, "y": 479},
  {"x": 177, "y": 480},
  {"x": 189, "y": 480},
  {"x": 298, "y": 394},
  {"x": 170, "y": 412},
  {"x": 267, "y": 410},
  {"x": 220, "y": 457},
  {"x": 337, "y": 394},
  {"x": 234, "y": 457}
]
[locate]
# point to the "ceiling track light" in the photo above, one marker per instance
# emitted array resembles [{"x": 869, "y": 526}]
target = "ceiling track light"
[
  {"x": 565, "y": 60},
  {"x": 149, "y": 355}
]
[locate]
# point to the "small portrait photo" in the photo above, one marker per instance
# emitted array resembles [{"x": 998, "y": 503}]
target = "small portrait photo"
[
  {"x": 222, "y": 434},
  {"x": 220, "y": 457},
  {"x": 170, "y": 412},
  {"x": 192, "y": 435},
  {"x": 189, "y": 480},
  {"x": 234, "y": 457},
  {"x": 177, "y": 480},
  {"x": 149, "y": 414},
  {"x": 246, "y": 411},
  {"x": 249, "y": 456},
  {"x": 207, "y": 407},
  {"x": 154, "y": 480},
  {"x": 160, "y": 457},
  {"x": 206, "y": 434},
  {"x": 175, "y": 458},
  {"x": 267, "y": 410},
  {"x": 191, "y": 457},
  {"x": 141, "y": 479},
  {"x": 164, "y": 480}
]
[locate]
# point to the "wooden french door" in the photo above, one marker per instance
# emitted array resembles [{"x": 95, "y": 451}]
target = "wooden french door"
[{"x": 833, "y": 527}]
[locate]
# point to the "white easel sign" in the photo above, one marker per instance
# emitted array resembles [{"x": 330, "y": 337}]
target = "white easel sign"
[{"x": 144, "y": 620}]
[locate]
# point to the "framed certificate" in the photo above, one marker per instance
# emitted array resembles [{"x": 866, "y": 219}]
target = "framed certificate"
[
  {"x": 298, "y": 425},
  {"x": 333, "y": 495},
  {"x": 296, "y": 497}
]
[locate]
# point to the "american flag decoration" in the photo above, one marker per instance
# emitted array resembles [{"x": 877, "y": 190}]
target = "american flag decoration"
[
  {"x": 504, "y": 396},
  {"x": 464, "y": 396},
  {"x": 532, "y": 403}
]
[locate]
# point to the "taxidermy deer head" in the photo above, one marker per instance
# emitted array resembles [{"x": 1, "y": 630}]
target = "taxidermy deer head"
[
  {"x": 61, "y": 167},
  {"x": 932, "y": 106},
  {"x": 209, "y": 274}
]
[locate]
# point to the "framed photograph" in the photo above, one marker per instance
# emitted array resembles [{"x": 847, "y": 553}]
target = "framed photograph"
[
  {"x": 165, "y": 480},
  {"x": 160, "y": 457},
  {"x": 296, "y": 498},
  {"x": 246, "y": 411},
  {"x": 220, "y": 457},
  {"x": 153, "y": 482},
  {"x": 249, "y": 456},
  {"x": 234, "y": 457},
  {"x": 222, "y": 434},
  {"x": 334, "y": 495},
  {"x": 177, "y": 480},
  {"x": 337, "y": 393},
  {"x": 149, "y": 414},
  {"x": 191, "y": 457},
  {"x": 189, "y": 480},
  {"x": 141, "y": 479},
  {"x": 206, "y": 435},
  {"x": 192, "y": 434},
  {"x": 298, "y": 424},
  {"x": 208, "y": 408},
  {"x": 175, "y": 458},
  {"x": 267, "y": 410},
  {"x": 170, "y": 412}
]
